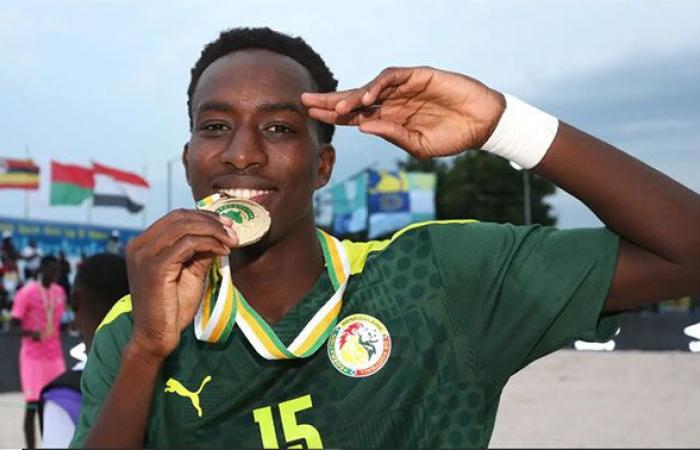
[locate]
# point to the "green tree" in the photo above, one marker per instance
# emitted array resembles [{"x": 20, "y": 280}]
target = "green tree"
[{"x": 478, "y": 185}]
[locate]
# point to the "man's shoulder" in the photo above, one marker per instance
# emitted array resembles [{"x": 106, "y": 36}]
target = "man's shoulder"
[
  {"x": 29, "y": 287},
  {"x": 359, "y": 253},
  {"x": 118, "y": 321}
]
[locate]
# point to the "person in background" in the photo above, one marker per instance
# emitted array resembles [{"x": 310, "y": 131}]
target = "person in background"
[
  {"x": 113, "y": 245},
  {"x": 64, "y": 273},
  {"x": 31, "y": 254},
  {"x": 10, "y": 273},
  {"x": 37, "y": 310},
  {"x": 100, "y": 281}
]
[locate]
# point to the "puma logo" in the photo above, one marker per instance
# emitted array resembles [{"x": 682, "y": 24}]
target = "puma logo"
[{"x": 172, "y": 385}]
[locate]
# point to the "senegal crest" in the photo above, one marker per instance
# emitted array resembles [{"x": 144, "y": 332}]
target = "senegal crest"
[{"x": 359, "y": 346}]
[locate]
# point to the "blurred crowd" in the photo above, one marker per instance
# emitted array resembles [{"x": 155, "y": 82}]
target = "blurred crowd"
[{"x": 19, "y": 266}]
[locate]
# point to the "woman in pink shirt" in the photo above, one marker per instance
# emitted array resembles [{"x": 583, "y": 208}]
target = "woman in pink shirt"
[{"x": 37, "y": 309}]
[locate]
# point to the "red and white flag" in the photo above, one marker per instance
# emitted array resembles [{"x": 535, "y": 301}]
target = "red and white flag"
[{"x": 114, "y": 187}]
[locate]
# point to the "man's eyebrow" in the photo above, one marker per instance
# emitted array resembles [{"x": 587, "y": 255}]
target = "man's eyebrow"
[
  {"x": 262, "y": 107},
  {"x": 283, "y": 106},
  {"x": 214, "y": 107}
]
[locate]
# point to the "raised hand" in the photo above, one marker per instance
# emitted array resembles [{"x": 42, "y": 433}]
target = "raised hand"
[
  {"x": 167, "y": 266},
  {"x": 426, "y": 111}
]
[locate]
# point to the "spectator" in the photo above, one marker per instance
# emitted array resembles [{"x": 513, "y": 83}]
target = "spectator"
[
  {"x": 113, "y": 245},
  {"x": 64, "y": 273},
  {"x": 8, "y": 257},
  {"x": 37, "y": 311},
  {"x": 31, "y": 254}
]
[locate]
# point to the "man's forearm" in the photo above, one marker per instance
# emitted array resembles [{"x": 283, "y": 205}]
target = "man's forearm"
[
  {"x": 124, "y": 416},
  {"x": 639, "y": 203}
]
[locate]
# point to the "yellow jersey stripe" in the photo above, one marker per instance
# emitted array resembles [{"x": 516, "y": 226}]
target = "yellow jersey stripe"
[{"x": 358, "y": 252}]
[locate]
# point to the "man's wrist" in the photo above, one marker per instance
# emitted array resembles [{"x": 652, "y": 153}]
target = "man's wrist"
[
  {"x": 523, "y": 133},
  {"x": 135, "y": 353}
]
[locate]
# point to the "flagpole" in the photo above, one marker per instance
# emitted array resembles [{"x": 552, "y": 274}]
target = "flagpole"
[
  {"x": 26, "y": 192},
  {"x": 91, "y": 201}
]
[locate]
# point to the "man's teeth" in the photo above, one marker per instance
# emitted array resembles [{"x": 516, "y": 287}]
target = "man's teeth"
[{"x": 245, "y": 193}]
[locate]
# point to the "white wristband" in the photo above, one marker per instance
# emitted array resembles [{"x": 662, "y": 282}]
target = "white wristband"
[{"x": 523, "y": 134}]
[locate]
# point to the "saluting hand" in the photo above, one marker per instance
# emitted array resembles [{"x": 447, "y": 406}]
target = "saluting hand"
[
  {"x": 426, "y": 111},
  {"x": 167, "y": 265}
]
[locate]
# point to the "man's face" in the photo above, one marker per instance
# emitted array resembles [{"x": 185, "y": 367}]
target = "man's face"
[
  {"x": 49, "y": 272},
  {"x": 252, "y": 138}
]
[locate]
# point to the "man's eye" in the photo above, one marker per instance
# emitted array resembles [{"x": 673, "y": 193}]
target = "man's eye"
[
  {"x": 279, "y": 129},
  {"x": 214, "y": 127}
]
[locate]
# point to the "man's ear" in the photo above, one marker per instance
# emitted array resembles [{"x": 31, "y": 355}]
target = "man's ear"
[
  {"x": 326, "y": 164},
  {"x": 185, "y": 154}
]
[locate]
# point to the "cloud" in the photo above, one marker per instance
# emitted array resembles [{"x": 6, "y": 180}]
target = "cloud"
[
  {"x": 646, "y": 105},
  {"x": 641, "y": 97}
]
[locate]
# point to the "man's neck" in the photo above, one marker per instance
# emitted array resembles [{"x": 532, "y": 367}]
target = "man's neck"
[{"x": 277, "y": 277}]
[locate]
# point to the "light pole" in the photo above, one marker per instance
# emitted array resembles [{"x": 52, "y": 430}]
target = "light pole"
[{"x": 527, "y": 203}]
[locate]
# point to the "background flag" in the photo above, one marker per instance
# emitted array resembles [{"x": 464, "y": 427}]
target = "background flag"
[
  {"x": 19, "y": 174},
  {"x": 350, "y": 205},
  {"x": 421, "y": 195},
  {"x": 70, "y": 184},
  {"x": 114, "y": 187},
  {"x": 323, "y": 208},
  {"x": 388, "y": 201}
]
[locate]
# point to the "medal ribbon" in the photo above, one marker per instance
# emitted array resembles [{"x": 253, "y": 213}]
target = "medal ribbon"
[
  {"x": 223, "y": 305},
  {"x": 49, "y": 306}
]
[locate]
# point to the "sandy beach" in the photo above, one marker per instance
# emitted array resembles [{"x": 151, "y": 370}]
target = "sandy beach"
[{"x": 568, "y": 399}]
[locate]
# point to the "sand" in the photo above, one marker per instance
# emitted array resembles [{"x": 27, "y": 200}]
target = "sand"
[
  {"x": 568, "y": 399},
  {"x": 592, "y": 399}
]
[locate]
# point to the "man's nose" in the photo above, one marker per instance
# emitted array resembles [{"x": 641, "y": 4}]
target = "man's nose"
[{"x": 245, "y": 149}]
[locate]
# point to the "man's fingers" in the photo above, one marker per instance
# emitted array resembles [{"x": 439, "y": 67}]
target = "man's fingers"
[
  {"x": 392, "y": 132},
  {"x": 385, "y": 84},
  {"x": 185, "y": 248},
  {"x": 324, "y": 100},
  {"x": 177, "y": 224},
  {"x": 345, "y": 102},
  {"x": 352, "y": 118}
]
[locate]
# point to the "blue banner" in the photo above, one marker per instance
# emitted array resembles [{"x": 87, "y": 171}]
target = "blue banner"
[{"x": 53, "y": 237}]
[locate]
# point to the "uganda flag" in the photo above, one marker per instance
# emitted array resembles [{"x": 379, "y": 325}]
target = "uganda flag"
[
  {"x": 19, "y": 174},
  {"x": 70, "y": 184}
]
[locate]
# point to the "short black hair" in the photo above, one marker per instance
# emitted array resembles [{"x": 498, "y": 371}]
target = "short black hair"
[
  {"x": 104, "y": 278},
  {"x": 237, "y": 39},
  {"x": 46, "y": 260}
]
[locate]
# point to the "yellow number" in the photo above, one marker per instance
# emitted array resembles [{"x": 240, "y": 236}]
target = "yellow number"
[
  {"x": 293, "y": 432},
  {"x": 263, "y": 417}
]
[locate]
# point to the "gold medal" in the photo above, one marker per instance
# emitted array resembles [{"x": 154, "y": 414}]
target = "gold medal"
[{"x": 250, "y": 220}]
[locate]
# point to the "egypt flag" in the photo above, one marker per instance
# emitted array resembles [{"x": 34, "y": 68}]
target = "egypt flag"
[
  {"x": 119, "y": 188},
  {"x": 19, "y": 174}
]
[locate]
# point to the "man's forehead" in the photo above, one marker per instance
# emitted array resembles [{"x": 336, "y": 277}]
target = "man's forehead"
[{"x": 253, "y": 72}]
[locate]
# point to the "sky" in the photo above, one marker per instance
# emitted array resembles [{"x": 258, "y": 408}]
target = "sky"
[{"x": 106, "y": 80}]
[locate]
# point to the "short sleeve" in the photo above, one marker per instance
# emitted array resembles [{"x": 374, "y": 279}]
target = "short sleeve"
[
  {"x": 99, "y": 374},
  {"x": 523, "y": 292},
  {"x": 20, "y": 303}
]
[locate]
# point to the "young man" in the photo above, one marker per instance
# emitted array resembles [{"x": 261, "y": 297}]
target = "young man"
[
  {"x": 37, "y": 310},
  {"x": 101, "y": 281},
  {"x": 431, "y": 323}
]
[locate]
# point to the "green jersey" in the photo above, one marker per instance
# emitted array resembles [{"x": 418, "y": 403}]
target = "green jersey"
[{"x": 432, "y": 325}]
